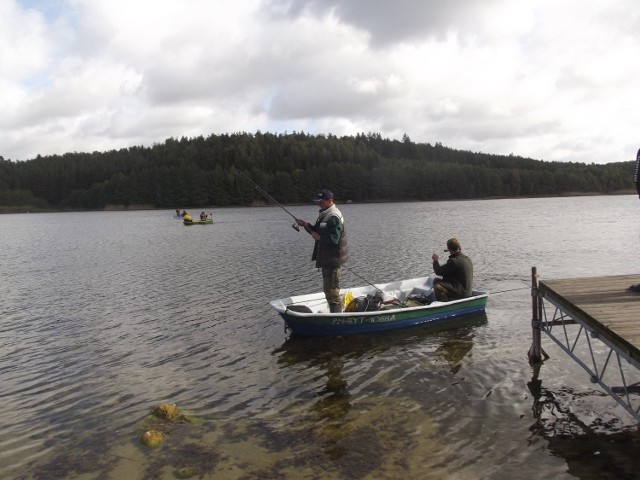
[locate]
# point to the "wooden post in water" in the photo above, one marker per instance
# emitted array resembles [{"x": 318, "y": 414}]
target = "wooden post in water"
[{"x": 535, "y": 355}]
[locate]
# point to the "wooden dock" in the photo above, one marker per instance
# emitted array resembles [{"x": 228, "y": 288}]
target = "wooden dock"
[
  {"x": 592, "y": 310},
  {"x": 605, "y": 304}
]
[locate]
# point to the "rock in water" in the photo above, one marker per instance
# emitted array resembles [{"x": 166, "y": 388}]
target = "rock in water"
[{"x": 152, "y": 438}]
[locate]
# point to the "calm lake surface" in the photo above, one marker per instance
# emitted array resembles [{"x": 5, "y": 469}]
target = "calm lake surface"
[{"x": 105, "y": 315}]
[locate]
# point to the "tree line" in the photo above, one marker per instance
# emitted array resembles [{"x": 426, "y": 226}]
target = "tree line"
[{"x": 193, "y": 172}]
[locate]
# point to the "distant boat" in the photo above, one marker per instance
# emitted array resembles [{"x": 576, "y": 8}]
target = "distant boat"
[
  {"x": 310, "y": 315},
  {"x": 209, "y": 221}
]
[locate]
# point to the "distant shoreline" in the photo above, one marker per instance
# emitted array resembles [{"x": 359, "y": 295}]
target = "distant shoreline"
[{"x": 260, "y": 203}]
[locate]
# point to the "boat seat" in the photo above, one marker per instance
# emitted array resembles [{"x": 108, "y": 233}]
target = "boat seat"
[{"x": 299, "y": 308}]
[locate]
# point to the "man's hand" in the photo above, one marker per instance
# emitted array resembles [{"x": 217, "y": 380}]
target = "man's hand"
[
  {"x": 434, "y": 257},
  {"x": 315, "y": 235}
]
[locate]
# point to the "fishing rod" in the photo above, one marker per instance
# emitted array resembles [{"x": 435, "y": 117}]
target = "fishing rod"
[
  {"x": 362, "y": 278},
  {"x": 266, "y": 194},
  {"x": 295, "y": 225}
]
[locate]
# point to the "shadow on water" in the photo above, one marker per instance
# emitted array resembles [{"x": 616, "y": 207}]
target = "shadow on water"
[{"x": 602, "y": 449}]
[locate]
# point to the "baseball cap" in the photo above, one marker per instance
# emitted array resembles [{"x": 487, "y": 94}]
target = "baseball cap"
[{"x": 323, "y": 195}]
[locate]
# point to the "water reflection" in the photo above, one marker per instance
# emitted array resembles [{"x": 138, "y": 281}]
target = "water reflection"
[
  {"x": 342, "y": 360},
  {"x": 603, "y": 446},
  {"x": 296, "y": 349}
]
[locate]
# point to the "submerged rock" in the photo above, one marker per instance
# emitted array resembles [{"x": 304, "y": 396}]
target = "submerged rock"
[
  {"x": 164, "y": 419},
  {"x": 152, "y": 438},
  {"x": 168, "y": 411},
  {"x": 188, "y": 472}
]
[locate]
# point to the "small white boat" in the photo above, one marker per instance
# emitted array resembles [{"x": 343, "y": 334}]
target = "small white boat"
[{"x": 394, "y": 307}]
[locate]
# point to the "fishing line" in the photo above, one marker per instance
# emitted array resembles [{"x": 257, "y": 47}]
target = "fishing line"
[
  {"x": 266, "y": 194},
  {"x": 510, "y": 290},
  {"x": 362, "y": 278}
]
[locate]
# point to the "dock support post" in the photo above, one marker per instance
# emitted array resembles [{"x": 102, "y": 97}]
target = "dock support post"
[{"x": 536, "y": 351}]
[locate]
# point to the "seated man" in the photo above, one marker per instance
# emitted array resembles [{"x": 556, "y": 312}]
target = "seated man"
[{"x": 457, "y": 274}]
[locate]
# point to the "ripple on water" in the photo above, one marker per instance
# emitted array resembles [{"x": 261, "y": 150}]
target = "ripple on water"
[{"x": 115, "y": 312}]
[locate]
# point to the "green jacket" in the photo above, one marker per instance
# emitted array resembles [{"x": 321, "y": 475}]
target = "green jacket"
[{"x": 457, "y": 275}]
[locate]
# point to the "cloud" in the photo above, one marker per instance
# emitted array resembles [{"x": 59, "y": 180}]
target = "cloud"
[
  {"x": 547, "y": 80},
  {"x": 389, "y": 23}
]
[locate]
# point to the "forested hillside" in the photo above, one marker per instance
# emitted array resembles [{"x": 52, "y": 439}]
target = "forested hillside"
[{"x": 193, "y": 172}]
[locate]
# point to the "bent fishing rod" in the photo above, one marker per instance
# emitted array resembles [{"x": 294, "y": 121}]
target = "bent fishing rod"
[
  {"x": 295, "y": 225},
  {"x": 269, "y": 197}
]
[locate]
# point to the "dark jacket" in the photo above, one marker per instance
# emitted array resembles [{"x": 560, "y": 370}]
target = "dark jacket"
[
  {"x": 636, "y": 178},
  {"x": 331, "y": 249},
  {"x": 457, "y": 275}
]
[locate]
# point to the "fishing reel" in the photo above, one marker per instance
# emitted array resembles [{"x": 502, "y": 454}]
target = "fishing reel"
[{"x": 296, "y": 227}]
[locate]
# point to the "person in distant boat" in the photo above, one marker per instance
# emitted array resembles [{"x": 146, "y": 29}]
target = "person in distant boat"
[
  {"x": 456, "y": 276},
  {"x": 186, "y": 217},
  {"x": 203, "y": 215},
  {"x": 330, "y": 248}
]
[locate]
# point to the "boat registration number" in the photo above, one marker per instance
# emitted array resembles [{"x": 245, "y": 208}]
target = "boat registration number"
[{"x": 363, "y": 320}]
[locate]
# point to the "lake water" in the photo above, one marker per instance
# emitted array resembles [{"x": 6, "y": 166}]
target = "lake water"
[{"x": 105, "y": 315}]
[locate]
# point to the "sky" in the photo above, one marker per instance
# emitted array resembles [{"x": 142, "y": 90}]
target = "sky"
[{"x": 553, "y": 80}]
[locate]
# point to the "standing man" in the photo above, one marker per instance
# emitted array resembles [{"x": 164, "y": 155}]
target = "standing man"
[
  {"x": 636, "y": 177},
  {"x": 330, "y": 249},
  {"x": 457, "y": 274}
]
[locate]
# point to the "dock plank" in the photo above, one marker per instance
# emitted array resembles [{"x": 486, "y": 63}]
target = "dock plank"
[{"x": 604, "y": 303}]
